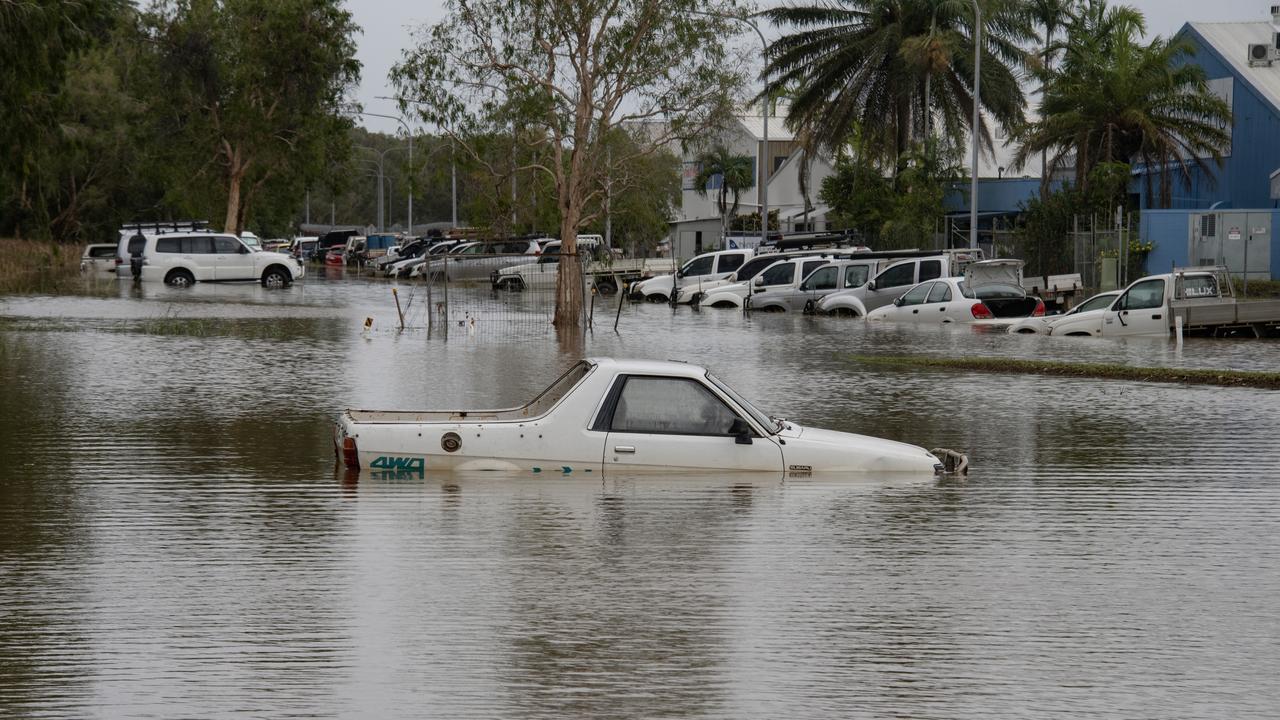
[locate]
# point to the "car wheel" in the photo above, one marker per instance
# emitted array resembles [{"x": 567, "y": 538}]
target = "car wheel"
[
  {"x": 509, "y": 284},
  {"x": 275, "y": 278},
  {"x": 845, "y": 312},
  {"x": 656, "y": 298},
  {"x": 607, "y": 287},
  {"x": 180, "y": 279},
  {"x": 1026, "y": 331}
]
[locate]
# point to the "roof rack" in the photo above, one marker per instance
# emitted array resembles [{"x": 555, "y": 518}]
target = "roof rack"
[{"x": 170, "y": 226}]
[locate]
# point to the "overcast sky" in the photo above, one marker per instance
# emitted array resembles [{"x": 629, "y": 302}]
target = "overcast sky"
[{"x": 388, "y": 27}]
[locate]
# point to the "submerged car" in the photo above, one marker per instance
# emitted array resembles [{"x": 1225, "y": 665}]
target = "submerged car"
[
  {"x": 952, "y": 300},
  {"x": 1083, "y": 319},
  {"x": 606, "y": 415}
]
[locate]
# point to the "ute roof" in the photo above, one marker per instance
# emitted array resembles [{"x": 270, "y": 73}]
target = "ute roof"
[{"x": 655, "y": 367}]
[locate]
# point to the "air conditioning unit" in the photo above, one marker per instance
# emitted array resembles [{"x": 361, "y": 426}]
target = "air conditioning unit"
[{"x": 1263, "y": 54}]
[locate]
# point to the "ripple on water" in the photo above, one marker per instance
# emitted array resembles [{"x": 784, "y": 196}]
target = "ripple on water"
[{"x": 175, "y": 542}]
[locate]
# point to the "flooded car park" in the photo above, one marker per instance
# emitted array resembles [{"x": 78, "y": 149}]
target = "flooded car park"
[{"x": 175, "y": 539}]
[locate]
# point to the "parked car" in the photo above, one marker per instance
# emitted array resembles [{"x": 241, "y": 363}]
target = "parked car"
[
  {"x": 693, "y": 294},
  {"x": 832, "y": 277},
  {"x": 181, "y": 260},
  {"x": 252, "y": 241},
  {"x": 705, "y": 268},
  {"x": 132, "y": 239},
  {"x": 894, "y": 280},
  {"x": 336, "y": 256},
  {"x": 1083, "y": 319},
  {"x": 303, "y": 246},
  {"x": 99, "y": 260},
  {"x": 784, "y": 275},
  {"x": 1202, "y": 298},
  {"x": 606, "y": 415},
  {"x": 955, "y": 300}
]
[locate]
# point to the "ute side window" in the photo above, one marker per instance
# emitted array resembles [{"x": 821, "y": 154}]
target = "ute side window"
[
  {"x": 698, "y": 266},
  {"x": 896, "y": 276},
  {"x": 226, "y": 245},
  {"x": 930, "y": 269},
  {"x": 821, "y": 279},
  {"x": 676, "y": 406},
  {"x": 856, "y": 275},
  {"x": 730, "y": 262},
  {"x": 1144, "y": 296},
  {"x": 781, "y": 274}
]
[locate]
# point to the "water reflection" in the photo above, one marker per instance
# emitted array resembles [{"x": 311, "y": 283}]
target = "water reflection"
[{"x": 175, "y": 538}]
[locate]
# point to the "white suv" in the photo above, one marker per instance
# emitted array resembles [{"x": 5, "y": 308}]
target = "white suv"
[{"x": 182, "y": 259}]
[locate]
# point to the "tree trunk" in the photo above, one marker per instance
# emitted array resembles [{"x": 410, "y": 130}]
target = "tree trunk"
[
  {"x": 236, "y": 169},
  {"x": 568, "y": 317}
]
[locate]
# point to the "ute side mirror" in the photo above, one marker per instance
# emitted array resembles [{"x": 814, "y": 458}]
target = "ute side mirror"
[
  {"x": 898, "y": 302},
  {"x": 871, "y": 284},
  {"x": 759, "y": 280},
  {"x": 741, "y": 432}
]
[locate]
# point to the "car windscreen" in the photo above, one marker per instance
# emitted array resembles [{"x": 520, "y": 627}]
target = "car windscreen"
[{"x": 761, "y": 419}]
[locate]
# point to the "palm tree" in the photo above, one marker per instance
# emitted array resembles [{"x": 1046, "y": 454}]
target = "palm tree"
[
  {"x": 891, "y": 66},
  {"x": 1051, "y": 16},
  {"x": 1116, "y": 99},
  {"x": 736, "y": 174}
]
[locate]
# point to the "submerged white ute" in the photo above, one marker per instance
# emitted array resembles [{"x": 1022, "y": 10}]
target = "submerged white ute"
[{"x": 607, "y": 415}]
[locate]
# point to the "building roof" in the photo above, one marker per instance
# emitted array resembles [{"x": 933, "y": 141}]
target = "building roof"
[
  {"x": 1231, "y": 41},
  {"x": 754, "y": 125}
]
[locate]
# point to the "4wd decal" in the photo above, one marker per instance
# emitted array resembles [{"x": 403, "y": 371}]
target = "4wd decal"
[{"x": 382, "y": 462}]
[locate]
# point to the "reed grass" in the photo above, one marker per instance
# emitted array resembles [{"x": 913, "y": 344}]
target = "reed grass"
[
  {"x": 29, "y": 267},
  {"x": 1103, "y": 371}
]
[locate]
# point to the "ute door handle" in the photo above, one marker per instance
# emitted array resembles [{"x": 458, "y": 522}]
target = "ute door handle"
[
  {"x": 942, "y": 309},
  {"x": 624, "y": 448},
  {"x": 915, "y": 312},
  {"x": 1157, "y": 316}
]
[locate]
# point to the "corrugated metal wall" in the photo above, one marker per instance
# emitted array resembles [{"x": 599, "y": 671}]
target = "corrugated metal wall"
[{"x": 1244, "y": 179}]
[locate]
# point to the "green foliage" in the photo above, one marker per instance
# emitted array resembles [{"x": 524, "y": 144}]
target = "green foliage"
[
  {"x": 898, "y": 69},
  {"x": 249, "y": 94},
  {"x": 892, "y": 213},
  {"x": 858, "y": 194},
  {"x": 38, "y": 42},
  {"x": 733, "y": 173},
  {"x": 1116, "y": 98},
  {"x": 1045, "y": 236}
]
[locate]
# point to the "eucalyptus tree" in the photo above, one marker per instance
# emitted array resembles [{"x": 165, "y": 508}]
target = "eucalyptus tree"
[
  {"x": 892, "y": 66},
  {"x": 560, "y": 75},
  {"x": 38, "y": 42},
  {"x": 1115, "y": 98},
  {"x": 734, "y": 175},
  {"x": 251, "y": 94}
]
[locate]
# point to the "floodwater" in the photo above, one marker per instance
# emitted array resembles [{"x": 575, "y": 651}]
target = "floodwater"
[{"x": 175, "y": 542}]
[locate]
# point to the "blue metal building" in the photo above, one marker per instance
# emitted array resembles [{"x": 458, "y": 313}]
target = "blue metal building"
[
  {"x": 1232, "y": 215},
  {"x": 1253, "y": 89}
]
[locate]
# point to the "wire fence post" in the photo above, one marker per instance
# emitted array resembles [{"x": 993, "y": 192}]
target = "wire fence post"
[{"x": 623, "y": 292}]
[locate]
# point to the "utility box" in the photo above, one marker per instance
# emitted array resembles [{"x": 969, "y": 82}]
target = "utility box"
[{"x": 1239, "y": 240}]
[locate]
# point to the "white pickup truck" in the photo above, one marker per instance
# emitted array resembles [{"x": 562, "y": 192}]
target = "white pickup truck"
[
  {"x": 701, "y": 271},
  {"x": 606, "y": 274},
  {"x": 1202, "y": 298},
  {"x": 782, "y": 276}
]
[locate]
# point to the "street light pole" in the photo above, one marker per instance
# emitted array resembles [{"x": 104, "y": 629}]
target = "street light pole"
[
  {"x": 973, "y": 131},
  {"x": 408, "y": 132}
]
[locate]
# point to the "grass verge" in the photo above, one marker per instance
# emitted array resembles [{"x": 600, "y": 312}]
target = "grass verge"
[{"x": 1226, "y": 378}]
